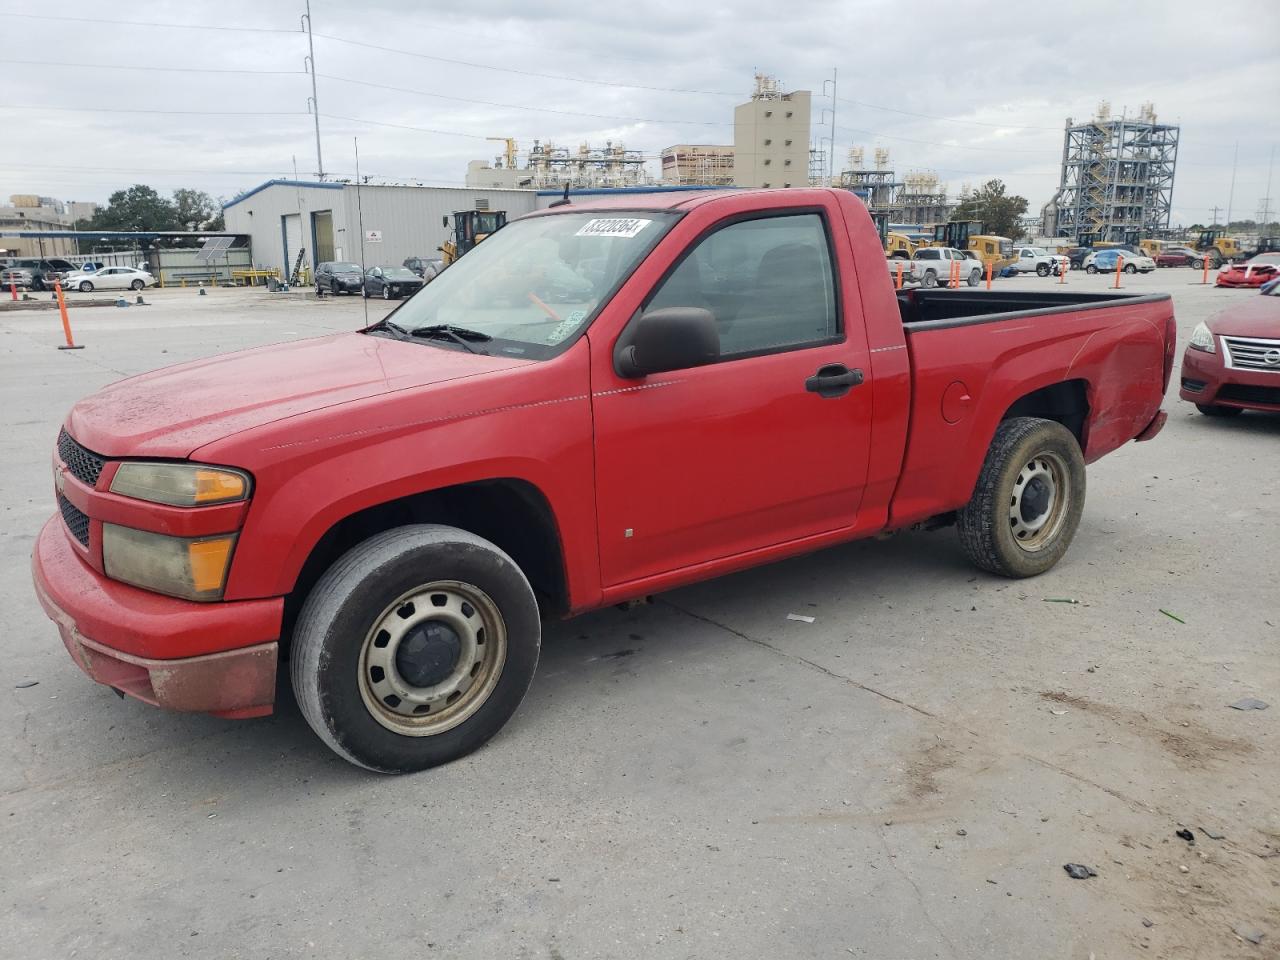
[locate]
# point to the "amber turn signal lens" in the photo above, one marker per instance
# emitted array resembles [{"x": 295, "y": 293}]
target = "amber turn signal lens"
[
  {"x": 208, "y": 560},
  {"x": 218, "y": 486}
]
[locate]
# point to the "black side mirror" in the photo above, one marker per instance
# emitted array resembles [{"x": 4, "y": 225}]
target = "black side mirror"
[
  {"x": 445, "y": 221},
  {"x": 672, "y": 338}
]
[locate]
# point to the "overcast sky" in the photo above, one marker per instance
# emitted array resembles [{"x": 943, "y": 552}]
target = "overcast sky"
[{"x": 646, "y": 74}]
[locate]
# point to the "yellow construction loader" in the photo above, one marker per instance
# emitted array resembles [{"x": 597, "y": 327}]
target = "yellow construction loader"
[{"x": 469, "y": 228}]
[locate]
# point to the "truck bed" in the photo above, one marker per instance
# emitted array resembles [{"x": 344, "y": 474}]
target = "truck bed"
[{"x": 938, "y": 309}]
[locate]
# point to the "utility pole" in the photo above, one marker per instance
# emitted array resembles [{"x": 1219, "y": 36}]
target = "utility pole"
[
  {"x": 1232, "y": 195},
  {"x": 1266, "y": 203},
  {"x": 315, "y": 103},
  {"x": 1214, "y": 221},
  {"x": 831, "y": 160}
]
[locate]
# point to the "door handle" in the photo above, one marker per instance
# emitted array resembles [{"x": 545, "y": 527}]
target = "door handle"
[{"x": 833, "y": 380}]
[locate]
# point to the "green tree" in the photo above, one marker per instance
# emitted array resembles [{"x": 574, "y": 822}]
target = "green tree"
[
  {"x": 137, "y": 208},
  {"x": 196, "y": 210},
  {"x": 998, "y": 211}
]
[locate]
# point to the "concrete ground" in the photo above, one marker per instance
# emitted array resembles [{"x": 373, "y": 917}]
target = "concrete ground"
[{"x": 901, "y": 779}]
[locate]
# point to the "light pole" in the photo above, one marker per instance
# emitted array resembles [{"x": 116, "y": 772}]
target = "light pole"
[{"x": 310, "y": 60}]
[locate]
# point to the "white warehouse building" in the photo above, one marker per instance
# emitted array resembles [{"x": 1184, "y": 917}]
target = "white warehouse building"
[{"x": 322, "y": 221}]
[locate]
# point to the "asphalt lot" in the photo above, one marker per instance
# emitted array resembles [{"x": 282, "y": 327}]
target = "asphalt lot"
[{"x": 902, "y": 779}]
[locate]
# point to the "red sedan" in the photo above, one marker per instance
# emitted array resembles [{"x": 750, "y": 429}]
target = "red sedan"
[
  {"x": 1177, "y": 257},
  {"x": 1251, "y": 273},
  {"x": 1232, "y": 361}
]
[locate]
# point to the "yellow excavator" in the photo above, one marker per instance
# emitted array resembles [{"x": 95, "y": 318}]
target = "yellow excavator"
[
  {"x": 1217, "y": 246},
  {"x": 469, "y": 228},
  {"x": 896, "y": 245},
  {"x": 969, "y": 235}
]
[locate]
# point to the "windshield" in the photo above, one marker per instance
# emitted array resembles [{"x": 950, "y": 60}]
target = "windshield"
[
  {"x": 1038, "y": 251},
  {"x": 345, "y": 268},
  {"x": 1267, "y": 258},
  {"x": 533, "y": 284},
  {"x": 399, "y": 273},
  {"x": 1006, "y": 247}
]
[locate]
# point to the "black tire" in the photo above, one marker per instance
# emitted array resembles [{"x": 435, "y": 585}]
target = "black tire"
[
  {"x": 1198, "y": 264},
  {"x": 1131, "y": 269},
  {"x": 333, "y": 639},
  {"x": 987, "y": 529},
  {"x": 975, "y": 277},
  {"x": 386, "y": 292},
  {"x": 364, "y": 291},
  {"x": 1212, "y": 411},
  {"x": 85, "y": 286},
  {"x": 930, "y": 279},
  {"x": 1042, "y": 270},
  {"x": 1091, "y": 269},
  {"x": 136, "y": 285}
]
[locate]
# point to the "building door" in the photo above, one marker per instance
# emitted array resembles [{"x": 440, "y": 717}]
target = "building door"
[
  {"x": 291, "y": 234},
  {"x": 322, "y": 235}
]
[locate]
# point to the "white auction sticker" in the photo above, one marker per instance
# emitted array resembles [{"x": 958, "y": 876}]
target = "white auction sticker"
[{"x": 615, "y": 227}]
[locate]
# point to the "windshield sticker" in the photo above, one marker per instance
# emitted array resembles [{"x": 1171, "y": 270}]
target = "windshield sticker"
[
  {"x": 615, "y": 227},
  {"x": 566, "y": 326}
]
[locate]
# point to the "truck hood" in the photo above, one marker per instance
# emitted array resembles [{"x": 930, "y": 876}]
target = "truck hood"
[
  {"x": 1258, "y": 316},
  {"x": 173, "y": 411}
]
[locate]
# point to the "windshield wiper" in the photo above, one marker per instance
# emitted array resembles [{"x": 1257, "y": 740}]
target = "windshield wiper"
[
  {"x": 447, "y": 331},
  {"x": 390, "y": 325}
]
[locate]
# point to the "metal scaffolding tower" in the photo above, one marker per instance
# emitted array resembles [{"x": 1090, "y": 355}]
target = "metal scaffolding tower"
[{"x": 1117, "y": 177}]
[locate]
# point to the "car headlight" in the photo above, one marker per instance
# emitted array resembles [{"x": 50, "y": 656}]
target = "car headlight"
[
  {"x": 193, "y": 569},
  {"x": 1202, "y": 339},
  {"x": 180, "y": 484}
]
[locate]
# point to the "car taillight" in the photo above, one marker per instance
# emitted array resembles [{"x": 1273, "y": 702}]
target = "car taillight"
[{"x": 1170, "y": 345}]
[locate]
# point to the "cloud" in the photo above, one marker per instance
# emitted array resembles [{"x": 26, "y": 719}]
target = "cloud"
[{"x": 1013, "y": 79}]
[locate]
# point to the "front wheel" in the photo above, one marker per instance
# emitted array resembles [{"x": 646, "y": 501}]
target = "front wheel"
[
  {"x": 364, "y": 292},
  {"x": 1198, "y": 264},
  {"x": 1212, "y": 411},
  {"x": 415, "y": 648},
  {"x": 975, "y": 277},
  {"x": 386, "y": 292},
  {"x": 1042, "y": 270},
  {"x": 1091, "y": 269},
  {"x": 1028, "y": 499},
  {"x": 85, "y": 286}
]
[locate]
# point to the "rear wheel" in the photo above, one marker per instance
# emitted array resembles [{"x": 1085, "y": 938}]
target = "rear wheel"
[
  {"x": 386, "y": 292},
  {"x": 136, "y": 285},
  {"x": 1211, "y": 411},
  {"x": 1042, "y": 270},
  {"x": 415, "y": 648},
  {"x": 1198, "y": 264},
  {"x": 930, "y": 279},
  {"x": 1091, "y": 269},
  {"x": 1028, "y": 500},
  {"x": 1131, "y": 269}
]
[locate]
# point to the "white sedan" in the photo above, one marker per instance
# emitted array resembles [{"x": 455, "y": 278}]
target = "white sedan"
[{"x": 108, "y": 278}]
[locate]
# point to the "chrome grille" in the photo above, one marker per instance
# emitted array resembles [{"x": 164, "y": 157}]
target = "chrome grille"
[
  {"x": 85, "y": 465},
  {"x": 1249, "y": 353},
  {"x": 77, "y": 522}
]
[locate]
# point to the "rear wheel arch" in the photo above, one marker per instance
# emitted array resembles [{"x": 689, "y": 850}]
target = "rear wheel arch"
[
  {"x": 1065, "y": 402},
  {"x": 511, "y": 513}
]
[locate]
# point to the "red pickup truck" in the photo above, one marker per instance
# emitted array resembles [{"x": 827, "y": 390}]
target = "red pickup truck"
[{"x": 600, "y": 402}]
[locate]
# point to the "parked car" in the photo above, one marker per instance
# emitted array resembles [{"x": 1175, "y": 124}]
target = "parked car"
[
  {"x": 1076, "y": 255},
  {"x": 1178, "y": 257},
  {"x": 428, "y": 268},
  {"x": 1105, "y": 261},
  {"x": 23, "y": 278},
  {"x": 1251, "y": 273},
  {"x": 934, "y": 266},
  {"x": 337, "y": 277},
  {"x": 108, "y": 278},
  {"x": 1232, "y": 361},
  {"x": 1039, "y": 261},
  {"x": 43, "y": 272},
  {"x": 391, "y": 283},
  {"x": 402, "y": 505}
]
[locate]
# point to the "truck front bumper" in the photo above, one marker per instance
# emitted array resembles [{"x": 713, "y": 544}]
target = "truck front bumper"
[{"x": 128, "y": 638}]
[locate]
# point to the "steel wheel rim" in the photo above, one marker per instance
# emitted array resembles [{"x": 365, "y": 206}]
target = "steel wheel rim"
[
  {"x": 1039, "y": 501},
  {"x": 424, "y": 711}
]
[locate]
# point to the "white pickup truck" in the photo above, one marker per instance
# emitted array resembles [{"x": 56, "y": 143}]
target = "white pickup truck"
[
  {"x": 932, "y": 266},
  {"x": 1039, "y": 260}
]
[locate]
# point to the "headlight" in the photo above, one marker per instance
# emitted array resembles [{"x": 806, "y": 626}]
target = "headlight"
[
  {"x": 180, "y": 484},
  {"x": 193, "y": 569},
  {"x": 1202, "y": 339}
]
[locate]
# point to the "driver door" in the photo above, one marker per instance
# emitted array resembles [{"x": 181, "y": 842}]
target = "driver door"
[{"x": 714, "y": 461}]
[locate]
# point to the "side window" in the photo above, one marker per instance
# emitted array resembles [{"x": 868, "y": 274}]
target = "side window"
[
  {"x": 767, "y": 282},
  {"x": 928, "y": 254}
]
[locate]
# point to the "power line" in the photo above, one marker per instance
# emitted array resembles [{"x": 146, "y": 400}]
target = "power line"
[
  {"x": 930, "y": 116},
  {"x": 195, "y": 113},
  {"x": 518, "y": 106},
  {"x": 131, "y": 66},
  {"x": 522, "y": 73},
  {"x": 936, "y": 143},
  {"x": 149, "y": 23},
  {"x": 405, "y": 126}
]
